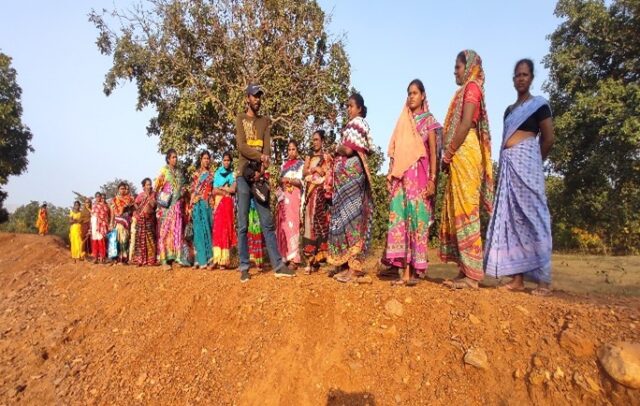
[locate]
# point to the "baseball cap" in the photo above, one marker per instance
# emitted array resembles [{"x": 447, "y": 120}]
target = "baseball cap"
[{"x": 253, "y": 89}]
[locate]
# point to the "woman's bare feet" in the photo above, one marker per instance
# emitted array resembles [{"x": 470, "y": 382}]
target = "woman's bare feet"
[{"x": 516, "y": 284}]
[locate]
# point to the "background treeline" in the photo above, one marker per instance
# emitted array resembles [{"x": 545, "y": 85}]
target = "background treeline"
[{"x": 191, "y": 60}]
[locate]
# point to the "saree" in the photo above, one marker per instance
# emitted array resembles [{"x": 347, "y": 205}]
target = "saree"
[
  {"x": 288, "y": 212},
  {"x": 470, "y": 180},
  {"x": 201, "y": 192},
  {"x": 316, "y": 212},
  {"x": 254, "y": 236},
  {"x": 143, "y": 230},
  {"x": 352, "y": 202},
  {"x": 410, "y": 212},
  {"x": 85, "y": 218},
  {"x": 75, "y": 236},
  {"x": 224, "y": 232},
  {"x": 99, "y": 228},
  {"x": 170, "y": 224},
  {"x": 519, "y": 233},
  {"x": 122, "y": 220},
  {"x": 42, "y": 221}
]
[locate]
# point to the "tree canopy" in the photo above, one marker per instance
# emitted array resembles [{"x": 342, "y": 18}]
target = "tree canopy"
[
  {"x": 192, "y": 60},
  {"x": 15, "y": 137},
  {"x": 594, "y": 88}
]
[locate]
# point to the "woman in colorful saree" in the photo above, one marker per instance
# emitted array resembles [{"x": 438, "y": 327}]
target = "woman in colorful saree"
[
  {"x": 467, "y": 160},
  {"x": 316, "y": 204},
  {"x": 99, "y": 227},
  {"x": 518, "y": 240},
  {"x": 121, "y": 209},
  {"x": 412, "y": 184},
  {"x": 85, "y": 221},
  {"x": 42, "y": 220},
  {"x": 143, "y": 233},
  {"x": 224, "y": 231},
  {"x": 288, "y": 208},
  {"x": 169, "y": 189},
  {"x": 352, "y": 205},
  {"x": 75, "y": 232},
  {"x": 201, "y": 192}
]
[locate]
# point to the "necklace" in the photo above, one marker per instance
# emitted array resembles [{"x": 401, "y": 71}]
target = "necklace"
[{"x": 517, "y": 103}]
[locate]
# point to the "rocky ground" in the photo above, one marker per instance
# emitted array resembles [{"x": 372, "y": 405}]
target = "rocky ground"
[{"x": 87, "y": 334}]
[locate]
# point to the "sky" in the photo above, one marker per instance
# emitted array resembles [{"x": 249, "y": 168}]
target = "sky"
[{"x": 83, "y": 139}]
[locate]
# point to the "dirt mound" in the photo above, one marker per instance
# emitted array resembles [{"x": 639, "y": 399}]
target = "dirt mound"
[{"x": 87, "y": 334}]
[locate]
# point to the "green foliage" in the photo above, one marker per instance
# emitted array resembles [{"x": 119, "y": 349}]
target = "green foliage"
[
  {"x": 192, "y": 60},
  {"x": 594, "y": 88},
  {"x": 110, "y": 189},
  {"x": 23, "y": 220},
  {"x": 15, "y": 137}
]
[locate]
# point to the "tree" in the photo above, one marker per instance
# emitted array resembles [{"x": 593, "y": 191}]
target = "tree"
[
  {"x": 15, "y": 137},
  {"x": 192, "y": 60},
  {"x": 110, "y": 189},
  {"x": 594, "y": 88}
]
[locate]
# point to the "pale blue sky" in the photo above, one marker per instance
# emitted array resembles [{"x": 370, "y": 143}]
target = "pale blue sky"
[{"x": 84, "y": 139}]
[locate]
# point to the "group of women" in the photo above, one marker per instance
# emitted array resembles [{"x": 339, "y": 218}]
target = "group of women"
[
  {"x": 170, "y": 221},
  {"x": 326, "y": 198},
  {"x": 518, "y": 239}
]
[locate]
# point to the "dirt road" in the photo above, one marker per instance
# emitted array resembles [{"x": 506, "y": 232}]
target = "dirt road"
[{"x": 87, "y": 334}]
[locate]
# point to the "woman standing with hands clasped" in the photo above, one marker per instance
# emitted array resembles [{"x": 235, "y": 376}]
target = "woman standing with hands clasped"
[{"x": 412, "y": 184}]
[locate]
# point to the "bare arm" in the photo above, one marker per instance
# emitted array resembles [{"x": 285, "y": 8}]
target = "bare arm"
[
  {"x": 468, "y": 109},
  {"x": 547, "y": 138}
]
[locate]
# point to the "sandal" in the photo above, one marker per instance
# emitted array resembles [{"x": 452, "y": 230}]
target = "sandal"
[
  {"x": 462, "y": 284},
  {"x": 392, "y": 271},
  {"x": 510, "y": 287},
  {"x": 402, "y": 282},
  {"x": 307, "y": 270},
  {"x": 543, "y": 292},
  {"x": 345, "y": 277}
]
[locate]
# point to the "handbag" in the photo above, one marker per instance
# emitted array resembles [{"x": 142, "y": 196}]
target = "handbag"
[
  {"x": 164, "y": 199},
  {"x": 260, "y": 191},
  {"x": 112, "y": 240}
]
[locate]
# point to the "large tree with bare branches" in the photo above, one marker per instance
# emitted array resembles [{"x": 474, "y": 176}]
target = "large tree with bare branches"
[{"x": 192, "y": 59}]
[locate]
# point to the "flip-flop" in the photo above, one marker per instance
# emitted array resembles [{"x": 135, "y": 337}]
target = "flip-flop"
[
  {"x": 462, "y": 284},
  {"x": 511, "y": 288},
  {"x": 344, "y": 277},
  {"x": 398, "y": 282},
  {"x": 389, "y": 272},
  {"x": 412, "y": 282},
  {"x": 307, "y": 270},
  {"x": 543, "y": 292}
]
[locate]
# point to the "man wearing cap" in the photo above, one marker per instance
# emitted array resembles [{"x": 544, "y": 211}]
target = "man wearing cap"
[{"x": 254, "y": 144}]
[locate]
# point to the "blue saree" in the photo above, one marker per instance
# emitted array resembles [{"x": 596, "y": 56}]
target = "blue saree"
[{"x": 519, "y": 234}]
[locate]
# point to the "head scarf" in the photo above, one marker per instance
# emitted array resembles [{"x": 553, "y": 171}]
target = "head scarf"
[
  {"x": 473, "y": 73},
  {"x": 406, "y": 146}
]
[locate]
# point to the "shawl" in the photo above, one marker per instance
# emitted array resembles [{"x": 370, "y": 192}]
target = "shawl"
[
  {"x": 120, "y": 202},
  {"x": 223, "y": 177},
  {"x": 473, "y": 72},
  {"x": 292, "y": 169},
  {"x": 355, "y": 135},
  {"x": 101, "y": 211},
  {"x": 202, "y": 184},
  {"x": 406, "y": 146}
]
